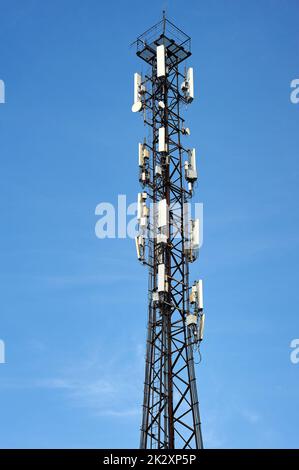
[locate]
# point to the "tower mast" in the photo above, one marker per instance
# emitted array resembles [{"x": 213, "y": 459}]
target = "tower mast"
[{"x": 168, "y": 240}]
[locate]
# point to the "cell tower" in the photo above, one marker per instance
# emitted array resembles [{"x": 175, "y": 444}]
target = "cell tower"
[{"x": 168, "y": 240}]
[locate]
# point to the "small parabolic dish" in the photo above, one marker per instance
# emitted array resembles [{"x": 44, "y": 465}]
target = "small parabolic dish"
[{"x": 137, "y": 107}]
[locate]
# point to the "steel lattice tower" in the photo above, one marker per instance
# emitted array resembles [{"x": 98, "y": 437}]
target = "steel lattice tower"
[{"x": 168, "y": 241}]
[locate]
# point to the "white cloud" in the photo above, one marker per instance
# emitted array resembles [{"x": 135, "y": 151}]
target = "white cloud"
[
  {"x": 103, "y": 386},
  {"x": 121, "y": 413},
  {"x": 250, "y": 416}
]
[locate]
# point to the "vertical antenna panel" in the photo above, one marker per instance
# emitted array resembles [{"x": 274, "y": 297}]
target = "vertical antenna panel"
[
  {"x": 140, "y": 155},
  {"x": 162, "y": 144},
  {"x": 193, "y": 160},
  {"x": 161, "y": 278},
  {"x": 190, "y": 83},
  {"x": 200, "y": 295},
  {"x": 195, "y": 235},
  {"x": 161, "y": 70},
  {"x": 162, "y": 213},
  {"x": 201, "y": 327},
  {"x": 139, "y": 206},
  {"x": 137, "y": 84}
]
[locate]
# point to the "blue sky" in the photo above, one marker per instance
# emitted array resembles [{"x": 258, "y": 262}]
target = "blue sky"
[{"x": 73, "y": 307}]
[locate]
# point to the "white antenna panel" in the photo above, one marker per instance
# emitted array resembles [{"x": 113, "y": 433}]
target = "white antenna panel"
[
  {"x": 161, "y": 70},
  {"x": 137, "y": 248},
  {"x": 140, "y": 155},
  {"x": 137, "y": 85},
  {"x": 139, "y": 241},
  {"x": 139, "y": 206},
  {"x": 201, "y": 327},
  {"x": 161, "y": 278},
  {"x": 193, "y": 160},
  {"x": 195, "y": 235},
  {"x": 200, "y": 295},
  {"x": 190, "y": 83},
  {"x": 191, "y": 173},
  {"x": 143, "y": 153},
  {"x": 162, "y": 213},
  {"x": 162, "y": 143},
  {"x": 138, "y": 89}
]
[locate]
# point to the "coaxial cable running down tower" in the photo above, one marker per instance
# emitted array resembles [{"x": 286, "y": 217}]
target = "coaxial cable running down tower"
[{"x": 168, "y": 240}]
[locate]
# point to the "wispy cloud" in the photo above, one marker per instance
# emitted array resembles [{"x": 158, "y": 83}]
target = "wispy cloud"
[
  {"x": 121, "y": 413},
  {"x": 104, "y": 387},
  {"x": 91, "y": 393},
  {"x": 70, "y": 280},
  {"x": 250, "y": 416}
]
